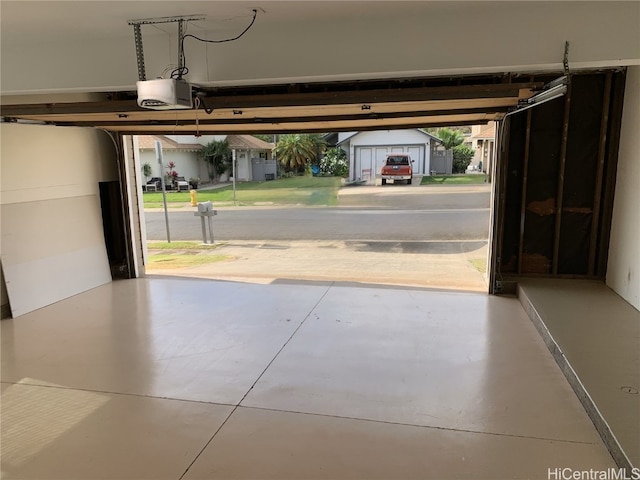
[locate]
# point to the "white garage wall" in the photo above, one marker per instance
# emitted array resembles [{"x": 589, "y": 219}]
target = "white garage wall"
[
  {"x": 52, "y": 235},
  {"x": 623, "y": 273}
]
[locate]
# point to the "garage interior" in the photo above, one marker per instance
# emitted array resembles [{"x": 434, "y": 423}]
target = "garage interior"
[{"x": 325, "y": 382}]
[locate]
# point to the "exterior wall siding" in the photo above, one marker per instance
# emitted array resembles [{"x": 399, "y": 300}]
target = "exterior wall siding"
[{"x": 188, "y": 164}]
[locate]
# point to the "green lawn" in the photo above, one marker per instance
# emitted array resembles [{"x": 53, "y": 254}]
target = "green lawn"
[
  {"x": 475, "y": 179},
  {"x": 167, "y": 261},
  {"x": 164, "y": 255},
  {"x": 480, "y": 264},
  {"x": 286, "y": 191},
  {"x": 156, "y": 245}
]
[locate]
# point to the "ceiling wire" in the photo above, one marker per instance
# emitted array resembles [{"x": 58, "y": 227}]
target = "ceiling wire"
[
  {"x": 181, "y": 71},
  {"x": 171, "y": 66},
  {"x": 206, "y": 47}
]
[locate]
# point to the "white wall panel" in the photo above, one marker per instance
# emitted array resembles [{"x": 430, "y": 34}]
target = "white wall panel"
[
  {"x": 623, "y": 272},
  {"x": 52, "y": 235},
  {"x": 52, "y": 250}
]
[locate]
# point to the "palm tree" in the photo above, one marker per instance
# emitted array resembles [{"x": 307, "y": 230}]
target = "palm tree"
[
  {"x": 217, "y": 154},
  {"x": 318, "y": 143},
  {"x": 295, "y": 151},
  {"x": 450, "y": 138}
]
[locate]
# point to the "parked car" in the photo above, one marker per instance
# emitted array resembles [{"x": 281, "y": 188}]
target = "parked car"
[{"x": 397, "y": 166}]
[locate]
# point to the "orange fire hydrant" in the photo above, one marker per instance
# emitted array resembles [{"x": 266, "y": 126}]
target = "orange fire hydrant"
[{"x": 194, "y": 198}]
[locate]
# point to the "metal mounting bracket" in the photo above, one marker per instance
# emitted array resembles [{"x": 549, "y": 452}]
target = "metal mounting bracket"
[
  {"x": 142, "y": 76},
  {"x": 565, "y": 61}
]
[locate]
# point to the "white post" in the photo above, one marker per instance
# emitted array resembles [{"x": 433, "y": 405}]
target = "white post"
[
  {"x": 233, "y": 168},
  {"x": 164, "y": 191}
]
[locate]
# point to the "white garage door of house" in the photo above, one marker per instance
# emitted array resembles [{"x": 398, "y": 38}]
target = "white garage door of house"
[{"x": 369, "y": 160}]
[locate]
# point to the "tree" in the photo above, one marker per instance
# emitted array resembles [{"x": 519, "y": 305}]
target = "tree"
[
  {"x": 434, "y": 130},
  {"x": 318, "y": 144},
  {"x": 450, "y": 138},
  {"x": 265, "y": 137},
  {"x": 462, "y": 156},
  {"x": 335, "y": 163},
  {"x": 296, "y": 151},
  {"x": 217, "y": 154},
  {"x": 147, "y": 171}
]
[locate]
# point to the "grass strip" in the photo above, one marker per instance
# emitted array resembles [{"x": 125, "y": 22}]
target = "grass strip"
[
  {"x": 182, "y": 246},
  {"x": 480, "y": 264},
  {"x": 286, "y": 191},
  {"x": 476, "y": 179},
  {"x": 169, "y": 261}
]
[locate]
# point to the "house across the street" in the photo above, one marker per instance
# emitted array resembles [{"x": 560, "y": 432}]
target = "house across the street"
[
  {"x": 253, "y": 156},
  {"x": 483, "y": 143},
  {"x": 367, "y": 152},
  {"x": 184, "y": 152}
]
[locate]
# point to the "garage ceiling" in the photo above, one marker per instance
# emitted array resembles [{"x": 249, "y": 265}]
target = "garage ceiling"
[
  {"x": 310, "y": 107},
  {"x": 377, "y": 82}
]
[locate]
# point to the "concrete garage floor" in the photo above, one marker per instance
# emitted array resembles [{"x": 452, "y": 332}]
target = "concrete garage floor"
[
  {"x": 169, "y": 378},
  {"x": 594, "y": 336}
]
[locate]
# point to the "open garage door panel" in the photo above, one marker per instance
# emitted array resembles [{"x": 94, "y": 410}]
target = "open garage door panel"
[
  {"x": 316, "y": 107},
  {"x": 556, "y": 177}
]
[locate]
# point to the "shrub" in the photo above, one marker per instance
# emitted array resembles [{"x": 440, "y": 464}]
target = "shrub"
[
  {"x": 462, "y": 156},
  {"x": 335, "y": 163},
  {"x": 146, "y": 170},
  {"x": 217, "y": 154}
]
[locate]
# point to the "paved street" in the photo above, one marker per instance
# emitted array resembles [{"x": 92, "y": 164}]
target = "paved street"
[
  {"x": 364, "y": 213},
  {"x": 424, "y": 237}
]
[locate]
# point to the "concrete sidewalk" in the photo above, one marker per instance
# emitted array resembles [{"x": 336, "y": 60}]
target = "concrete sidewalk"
[{"x": 440, "y": 264}]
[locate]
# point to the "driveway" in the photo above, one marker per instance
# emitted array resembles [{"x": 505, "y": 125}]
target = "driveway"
[{"x": 416, "y": 197}]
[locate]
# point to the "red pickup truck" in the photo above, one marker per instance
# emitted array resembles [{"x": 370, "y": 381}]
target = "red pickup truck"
[{"x": 397, "y": 166}]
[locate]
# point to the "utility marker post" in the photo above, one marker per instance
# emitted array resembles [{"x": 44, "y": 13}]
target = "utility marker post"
[
  {"x": 164, "y": 190},
  {"x": 233, "y": 170}
]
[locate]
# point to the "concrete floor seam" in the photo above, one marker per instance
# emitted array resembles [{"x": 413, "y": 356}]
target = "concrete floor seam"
[
  {"x": 285, "y": 344},
  {"x": 236, "y": 407},
  {"x": 208, "y": 442},
  {"x": 137, "y": 395},
  {"x": 400, "y": 424}
]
